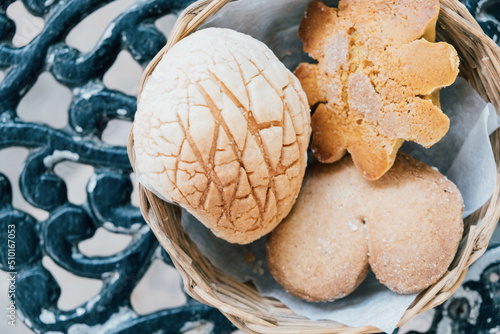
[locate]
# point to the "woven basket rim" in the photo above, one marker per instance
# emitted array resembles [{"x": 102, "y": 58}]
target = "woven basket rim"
[{"x": 240, "y": 302}]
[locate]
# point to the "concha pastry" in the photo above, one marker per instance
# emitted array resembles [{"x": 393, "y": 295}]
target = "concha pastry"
[{"x": 222, "y": 129}]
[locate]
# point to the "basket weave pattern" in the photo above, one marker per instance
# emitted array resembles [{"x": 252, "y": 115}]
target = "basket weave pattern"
[{"x": 241, "y": 302}]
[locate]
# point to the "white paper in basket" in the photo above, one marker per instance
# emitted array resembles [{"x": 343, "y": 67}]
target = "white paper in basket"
[{"x": 464, "y": 155}]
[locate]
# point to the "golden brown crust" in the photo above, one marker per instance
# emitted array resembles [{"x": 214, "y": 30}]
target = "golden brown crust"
[
  {"x": 407, "y": 226},
  {"x": 377, "y": 79}
]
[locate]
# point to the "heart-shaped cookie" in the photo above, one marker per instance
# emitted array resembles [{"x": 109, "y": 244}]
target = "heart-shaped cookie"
[{"x": 406, "y": 226}]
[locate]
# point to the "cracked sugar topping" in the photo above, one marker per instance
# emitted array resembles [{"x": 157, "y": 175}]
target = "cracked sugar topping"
[
  {"x": 222, "y": 128},
  {"x": 377, "y": 80}
]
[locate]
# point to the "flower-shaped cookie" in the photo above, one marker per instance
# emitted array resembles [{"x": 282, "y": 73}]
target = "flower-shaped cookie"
[{"x": 377, "y": 80}]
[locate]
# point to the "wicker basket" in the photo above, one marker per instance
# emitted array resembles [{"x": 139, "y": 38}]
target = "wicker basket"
[{"x": 241, "y": 302}]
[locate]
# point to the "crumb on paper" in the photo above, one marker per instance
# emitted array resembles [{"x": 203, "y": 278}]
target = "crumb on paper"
[
  {"x": 249, "y": 257},
  {"x": 258, "y": 269}
]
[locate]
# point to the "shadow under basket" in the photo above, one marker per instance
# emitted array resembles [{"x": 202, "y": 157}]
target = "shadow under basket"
[{"x": 240, "y": 302}]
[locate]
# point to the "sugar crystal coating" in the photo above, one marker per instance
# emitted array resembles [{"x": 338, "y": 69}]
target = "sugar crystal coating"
[{"x": 406, "y": 226}]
